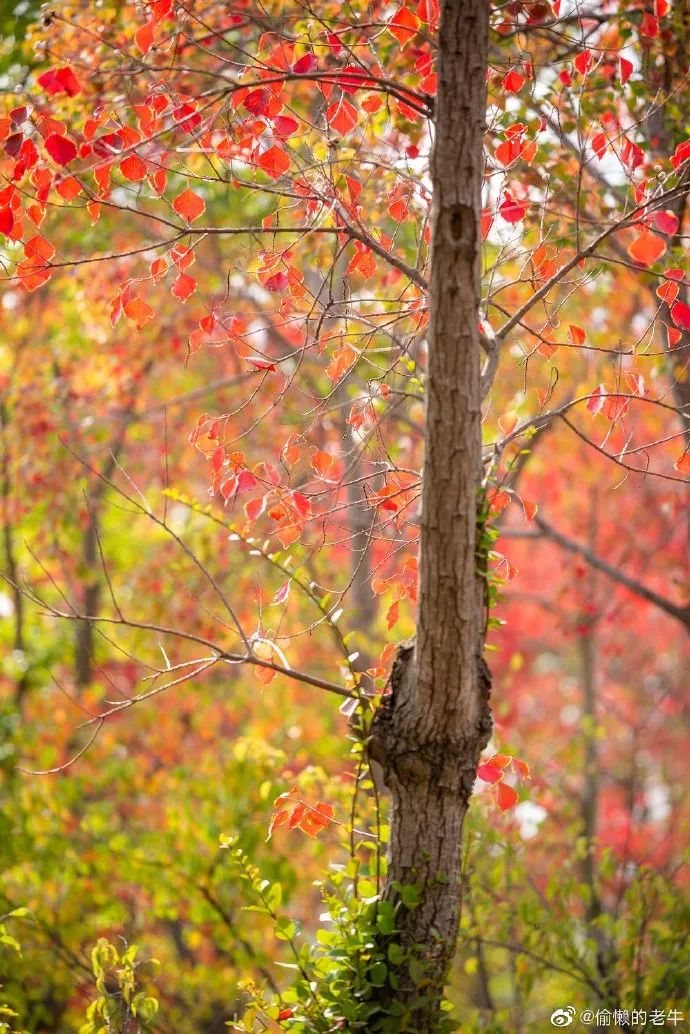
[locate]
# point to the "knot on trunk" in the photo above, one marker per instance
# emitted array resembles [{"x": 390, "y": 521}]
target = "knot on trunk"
[
  {"x": 443, "y": 758},
  {"x": 461, "y": 231}
]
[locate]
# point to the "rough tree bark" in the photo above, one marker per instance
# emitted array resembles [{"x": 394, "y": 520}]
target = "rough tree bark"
[{"x": 429, "y": 734}]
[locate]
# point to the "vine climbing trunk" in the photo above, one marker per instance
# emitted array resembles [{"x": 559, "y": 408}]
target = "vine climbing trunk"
[{"x": 436, "y": 720}]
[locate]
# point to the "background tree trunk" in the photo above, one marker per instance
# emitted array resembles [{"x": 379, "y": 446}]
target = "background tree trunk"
[{"x": 436, "y": 721}]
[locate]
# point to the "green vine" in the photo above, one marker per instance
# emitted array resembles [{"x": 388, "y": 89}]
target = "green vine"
[{"x": 347, "y": 976}]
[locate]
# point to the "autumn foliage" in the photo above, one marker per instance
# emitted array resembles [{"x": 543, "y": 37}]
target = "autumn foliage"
[{"x": 216, "y": 251}]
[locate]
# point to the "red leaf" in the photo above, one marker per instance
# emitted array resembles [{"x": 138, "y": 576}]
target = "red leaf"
[
  {"x": 674, "y": 336},
  {"x": 274, "y": 162},
  {"x": 513, "y": 211},
  {"x": 351, "y": 78},
  {"x": 599, "y": 145},
  {"x": 403, "y": 25},
  {"x": 278, "y": 282},
  {"x": 60, "y": 80},
  {"x": 583, "y": 62},
  {"x": 68, "y": 188},
  {"x": 666, "y": 221},
  {"x": 632, "y": 154},
  {"x": 680, "y": 314},
  {"x": 681, "y": 154},
  {"x": 647, "y": 248},
  {"x": 530, "y": 509},
  {"x": 285, "y": 126},
  {"x": 506, "y": 797},
  {"x": 253, "y": 508},
  {"x": 596, "y": 402},
  {"x": 649, "y": 26},
  {"x": 160, "y": 9},
  {"x": 513, "y": 82},
  {"x": 626, "y": 68},
  {"x": 303, "y": 65},
  {"x": 342, "y": 116},
  {"x": 257, "y": 100},
  {"x": 50, "y": 82},
  {"x": 261, "y": 364},
  {"x": 428, "y": 11},
  {"x": 489, "y": 773},
  {"x": 60, "y": 149},
  {"x": 245, "y": 481},
  {"x": 682, "y": 465}
]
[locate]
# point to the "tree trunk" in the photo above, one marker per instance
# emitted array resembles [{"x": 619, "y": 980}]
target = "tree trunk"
[
  {"x": 429, "y": 734},
  {"x": 90, "y": 603}
]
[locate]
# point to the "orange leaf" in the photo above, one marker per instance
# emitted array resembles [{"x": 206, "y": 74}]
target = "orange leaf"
[
  {"x": 31, "y": 275},
  {"x": 68, "y": 188},
  {"x": 321, "y": 462},
  {"x": 159, "y": 268},
  {"x": 294, "y": 813},
  {"x": 499, "y": 760},
  {"x": 522, "y": 768},
  {"x": 133, "y": 168},
  {"x": 647, "y": 248},
  {"x": 139, "y": 311},
  {"x": 39, "y": 248},
  {"x": 274, "y": 162},
  {"x": 393, "y": 614},
  {"x": 508, "y": 421},
  {"x": 497, "y": 499},
  {"x": 189, "y": 205},
  {"x": 506, "y": 797},
  {"x": 668, "y": 291},
  {"x": 144, "y": 37},
  {"x": 315, "y": 819},
  {"x": 183, "y": 286}
]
